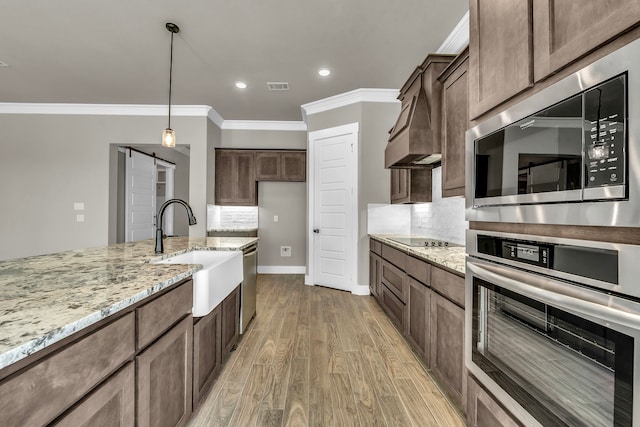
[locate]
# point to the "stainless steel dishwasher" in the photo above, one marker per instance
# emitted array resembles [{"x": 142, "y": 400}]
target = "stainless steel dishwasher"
[{"x": 248, "y": 288}]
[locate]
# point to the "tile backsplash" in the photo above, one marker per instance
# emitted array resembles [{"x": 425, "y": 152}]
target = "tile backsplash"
[
  {"x": 232, "y": 217},
  {"x": 441, "y": 219}
]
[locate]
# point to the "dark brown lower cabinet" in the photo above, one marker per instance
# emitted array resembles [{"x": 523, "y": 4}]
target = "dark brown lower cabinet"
[
  {"x": 375, "y": 264},
  {"x": 164, "y": 374},
  {"x": 112, "y": 404},
  {"x": 207, "y": 352},
  {"x": 394, "y": 307},
  {"x": 419, "y": 321},
  {"x": 447, "y": 346},
  {"x": 483, "y": 410},
  {"x": 230, "y": 321}
]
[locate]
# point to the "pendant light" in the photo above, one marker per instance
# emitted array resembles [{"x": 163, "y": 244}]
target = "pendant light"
[{"x": 168, "y": 135}]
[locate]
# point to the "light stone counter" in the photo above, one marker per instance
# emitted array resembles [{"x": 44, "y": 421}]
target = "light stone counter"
[
  {"x": 451, "y": 257},
  {"x": 49, "y": 297}
]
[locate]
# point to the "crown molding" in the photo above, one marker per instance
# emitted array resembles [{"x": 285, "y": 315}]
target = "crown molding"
[
  {"x": 458, "y": 38},
  {"x": 348, "y": 98},
  {"x": 264, "y": 125},
  {"x": 215, "y": 117},
  {"x": 104, "y": 109}
]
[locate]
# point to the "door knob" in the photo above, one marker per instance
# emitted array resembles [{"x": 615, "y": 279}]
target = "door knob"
[{"x": 316, "y": 230}]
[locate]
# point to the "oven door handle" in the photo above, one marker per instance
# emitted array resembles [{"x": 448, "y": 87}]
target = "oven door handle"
[{"x": 573, "y": 298}]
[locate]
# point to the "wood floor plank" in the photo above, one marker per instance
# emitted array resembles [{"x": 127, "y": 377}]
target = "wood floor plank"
[
  {"x": 219, "y": 411},
  {"x": 301, "y": 345},
  {"x": 342, "y": 400},
  {"x": 270, "y": 418},
  {"x": 246, "y": 413},
  {"x": 394, "y": 412},
  {"x": 386, "y": 347},
  {"x": 242, "y": 359},
  {"x": 369, "y": 411},
  {"x": 414, "y": 404},
  {"x": 296, "y": 412},
  {"x": 336, "y": 355},
  {"x": 319, "y": 397},
  {"x": 278, "y": 381},
  {"x": 439, "y": 406},
  {"x": 377, "y": 371}
]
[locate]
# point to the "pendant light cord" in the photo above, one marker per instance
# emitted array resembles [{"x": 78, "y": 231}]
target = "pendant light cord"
[{"x": 170, "y": 77}]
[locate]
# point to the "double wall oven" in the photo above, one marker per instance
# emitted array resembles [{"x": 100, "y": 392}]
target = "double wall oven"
[{"x": 553, "y": 324}]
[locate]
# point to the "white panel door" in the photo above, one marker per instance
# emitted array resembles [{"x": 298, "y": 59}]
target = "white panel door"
[
  {"x": 140, "y": 196},
  {"x": 333, "y": 192}
]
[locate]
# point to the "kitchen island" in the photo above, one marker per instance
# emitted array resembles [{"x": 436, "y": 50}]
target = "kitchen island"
[{"x": 47, "y": 298}]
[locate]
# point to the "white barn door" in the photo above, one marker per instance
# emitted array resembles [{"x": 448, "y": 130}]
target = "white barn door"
[{"x": 140, "y": 196}]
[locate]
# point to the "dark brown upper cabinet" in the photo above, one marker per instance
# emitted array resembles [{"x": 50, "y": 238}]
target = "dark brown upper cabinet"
[
  {"x": 564, "y": 31},
  {"x": 455, "y": 122},
  {"x": 410, "y": 186},
  {"x": 500, "y": 52},
  {"x": 414, "y": 140},
  {"x": 281, "y": 165},
  {"x": 235, "y": 178}
]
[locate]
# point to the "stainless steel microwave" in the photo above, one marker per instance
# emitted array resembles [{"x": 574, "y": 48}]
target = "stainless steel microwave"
[{"x": 569, "y": 154}]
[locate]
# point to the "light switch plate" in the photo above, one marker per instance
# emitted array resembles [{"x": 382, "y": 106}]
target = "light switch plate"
[
  {"x": 80, "y": 218},
  {"x": 78, "y": 206}
]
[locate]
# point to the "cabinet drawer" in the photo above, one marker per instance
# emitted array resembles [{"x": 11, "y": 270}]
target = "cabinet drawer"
[
  {"x": 112, "y": 404},
  {"x": 418, "y": 269},
  {"x": 394, "y": 279},
  {"x": 375, "y": 247},
  {"x": 395, "y": 308},
  {"x": 448, "y": 285},
  {"x": 394, "y": 256},
  {"x": 160, "y": 314},
  {"x": 45, "y": 390}
]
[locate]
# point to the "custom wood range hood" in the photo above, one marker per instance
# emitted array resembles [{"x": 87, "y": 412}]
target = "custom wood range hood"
[{"x": 414, "y": 141}]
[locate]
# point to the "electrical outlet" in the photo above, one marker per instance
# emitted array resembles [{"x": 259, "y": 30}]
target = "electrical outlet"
[
  {"x": 275, "y": 218},
  {"x": 285, "y": 250}
]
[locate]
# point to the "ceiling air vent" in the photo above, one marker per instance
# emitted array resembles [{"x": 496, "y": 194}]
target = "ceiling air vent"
[{"x": 278, "y": 85}]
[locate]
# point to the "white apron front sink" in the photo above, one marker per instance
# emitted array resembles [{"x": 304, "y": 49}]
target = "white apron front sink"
[{"x": 221, "y": 273}]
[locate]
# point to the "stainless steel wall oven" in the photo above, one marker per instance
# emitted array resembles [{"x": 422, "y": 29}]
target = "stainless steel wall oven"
[
  {"x": 569, "y": 154},
  {"x": 553, "y": 327}
]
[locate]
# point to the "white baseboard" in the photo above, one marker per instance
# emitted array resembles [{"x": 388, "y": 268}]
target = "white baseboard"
[
  {"x": 361, "y": 290},
  {"x": 282, "y": 269}
]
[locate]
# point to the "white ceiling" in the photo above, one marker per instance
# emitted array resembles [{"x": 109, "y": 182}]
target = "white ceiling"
[{"x": 117, "y": 51}]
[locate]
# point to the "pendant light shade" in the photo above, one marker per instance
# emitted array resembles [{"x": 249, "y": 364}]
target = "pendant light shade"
[{"x": 168, "y": 135}]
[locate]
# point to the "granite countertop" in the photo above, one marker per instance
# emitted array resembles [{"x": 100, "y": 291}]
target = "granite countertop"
[
  {"x": 49, "y": 297},
  {"x": 451, "y": 257}
]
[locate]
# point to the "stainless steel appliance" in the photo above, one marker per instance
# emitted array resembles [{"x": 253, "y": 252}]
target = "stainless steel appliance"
[
  {"x": 565, "y": 155},
  {"x": 553, "y": 327},
  {"x": 248, "y": 288}
]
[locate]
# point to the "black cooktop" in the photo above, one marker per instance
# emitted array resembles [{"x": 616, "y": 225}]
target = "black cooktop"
[{"x": 421, "y": 241}]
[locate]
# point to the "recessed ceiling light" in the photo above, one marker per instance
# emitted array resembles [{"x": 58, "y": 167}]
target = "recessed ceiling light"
[
  {"x": 324, "y": 72},
  {"x": 241, "y": 85}
]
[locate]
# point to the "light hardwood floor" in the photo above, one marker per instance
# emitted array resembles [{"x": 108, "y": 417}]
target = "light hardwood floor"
[{"x": 315, "y": 356}]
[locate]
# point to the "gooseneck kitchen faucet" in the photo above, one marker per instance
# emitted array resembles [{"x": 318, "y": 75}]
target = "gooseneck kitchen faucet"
[{"x": 192, "y": 221}]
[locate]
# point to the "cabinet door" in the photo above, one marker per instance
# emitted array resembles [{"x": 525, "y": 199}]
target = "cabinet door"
[
  {"x": 399, "y": 185},
  {"x": 500, "y": 52},
  {"x": 268, "y": 165},
  {"x": 294, "y": 166},
  {"x": 207, "y": 352},
  {"x": 418, "y": 319},
  {"x": 455, "y": 122},
  {"x": 375, "y": 263},
  {"x": 230, "y": 321},
  {"x": 410, "y": 185},
  {"x": 447, "y": 345},
  {"x": 164, "y": 375},
  {"x": 566, "y": 30},
  {"x": 483, "y": 410},
  {"x": 112, "y": 404},
  {"x": 235, "y": 178},
  {"x": 395, "y": 308}
]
